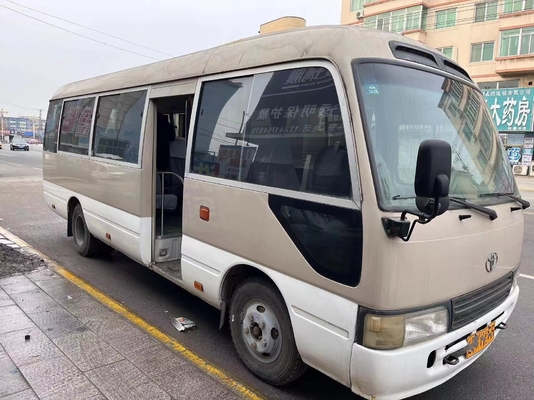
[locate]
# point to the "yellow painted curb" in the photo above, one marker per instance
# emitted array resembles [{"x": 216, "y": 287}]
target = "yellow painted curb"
[
  {"x": 204, "y": 365},
  {"x": 526, "y": 189}
]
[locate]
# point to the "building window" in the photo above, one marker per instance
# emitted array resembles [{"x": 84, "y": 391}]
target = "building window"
[
  {"x": 482, "y": 51},
  {"x": 118, "y": 126},
  {"x": 76, "y": 126},
  {"x": 407, "y": 19},
  {"x": 486, "y": 11},
  {"x": 281, "y": 129},
  {"x": 446, "y": 18},
  {"x": 472, "y": 109},
  {"x": 446, "y": 51},
  {"x": 508, "y": 84},
  {"x": 511, "y": 6},
  {"x": 499, "y": 84},
  {"x": 357, "y": 5},
  {"x": 517, "y": 41}
]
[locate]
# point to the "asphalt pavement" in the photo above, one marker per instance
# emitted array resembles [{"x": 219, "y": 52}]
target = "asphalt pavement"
[
  {"x": 18, "y": 164},
  {"x": 505, "y": 371}
]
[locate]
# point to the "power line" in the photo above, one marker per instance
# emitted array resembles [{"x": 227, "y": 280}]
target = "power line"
[
  {"x": 16, "y": 106},
  {"x": 78, "y": 34},
  {"x": 91, "y": 29}
]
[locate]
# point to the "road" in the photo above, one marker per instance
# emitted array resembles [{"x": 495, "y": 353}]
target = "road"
[
  {"x": 506, "y": 371},
  {"x": 21, "y": 164}
]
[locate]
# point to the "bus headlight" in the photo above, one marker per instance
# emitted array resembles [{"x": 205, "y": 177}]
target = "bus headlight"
[{"x": 386, "y": 332}]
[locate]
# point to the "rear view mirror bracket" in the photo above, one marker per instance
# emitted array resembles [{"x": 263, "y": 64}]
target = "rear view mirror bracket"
[
  {"x": 402, "y": 228},
  {"x": 431, "y": 184}
]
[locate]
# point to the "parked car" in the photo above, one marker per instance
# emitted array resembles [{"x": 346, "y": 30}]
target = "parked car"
[
  {"x": 0, "y": 145},
  {"x": 19, "y": 144}
]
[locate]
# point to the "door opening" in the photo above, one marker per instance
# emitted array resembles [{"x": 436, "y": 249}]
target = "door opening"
[{"x": 172, "y": 124}]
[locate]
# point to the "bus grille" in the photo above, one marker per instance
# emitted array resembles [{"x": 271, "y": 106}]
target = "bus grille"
[{"x": 469, "y": 307}]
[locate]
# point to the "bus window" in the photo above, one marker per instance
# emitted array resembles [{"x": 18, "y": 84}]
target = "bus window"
[
  {"x": 76, "y": 126},
  {"x": 404, "y": 107},
  {"x": 287, "y": 133},
  {"x": 118, "y": 126},
  {"x": 219, "y": 128},
  {"x": 52, "y": 125}
]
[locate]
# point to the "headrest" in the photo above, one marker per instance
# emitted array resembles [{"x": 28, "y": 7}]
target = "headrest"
[{"x": 178, "y": 148}]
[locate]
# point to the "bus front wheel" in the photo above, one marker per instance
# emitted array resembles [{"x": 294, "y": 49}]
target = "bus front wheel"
[
  {"x": 262, "y": 333},
  {"x": 85, "y": 243}
]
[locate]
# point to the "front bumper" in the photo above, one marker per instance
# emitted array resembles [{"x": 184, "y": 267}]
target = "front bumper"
[{"x": 401, "y": 373}]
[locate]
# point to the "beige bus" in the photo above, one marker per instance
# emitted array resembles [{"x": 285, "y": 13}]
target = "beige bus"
[{"x": 340, "y": 194}]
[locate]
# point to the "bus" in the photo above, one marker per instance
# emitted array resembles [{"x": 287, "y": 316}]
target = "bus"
[{"x": 340, "y": 194}]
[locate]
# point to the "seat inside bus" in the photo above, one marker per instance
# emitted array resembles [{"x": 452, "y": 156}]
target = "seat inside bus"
[
  {"x": 171, "y": 143},
  {"x": 325, "y": 172}
]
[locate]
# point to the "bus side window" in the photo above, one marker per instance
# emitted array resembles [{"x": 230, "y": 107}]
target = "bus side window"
[
  {"x": 281, "y": 129},
  {"x": 52, "y": 126}
]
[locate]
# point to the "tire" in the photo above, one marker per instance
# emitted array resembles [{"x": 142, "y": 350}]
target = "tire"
[
  {"x": 257, "y": 307},
  {"x": 85, "y": 243}
]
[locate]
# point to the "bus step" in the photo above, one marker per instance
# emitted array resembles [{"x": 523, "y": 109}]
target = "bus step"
[{"x": 171, "y": 270}]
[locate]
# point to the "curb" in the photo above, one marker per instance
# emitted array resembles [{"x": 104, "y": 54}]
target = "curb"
[
  {"x": 209, "y": 369},
  {"x": 526, "y": 189}
]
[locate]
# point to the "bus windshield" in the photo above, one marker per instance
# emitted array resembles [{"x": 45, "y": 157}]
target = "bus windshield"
[{"x": 404, "y": 106}]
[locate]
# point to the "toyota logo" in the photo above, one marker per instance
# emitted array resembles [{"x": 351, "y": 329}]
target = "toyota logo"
[{"x": 491, "y": 262}]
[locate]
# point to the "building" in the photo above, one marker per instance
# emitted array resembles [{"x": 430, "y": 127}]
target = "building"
[
  {"x": 492, "y": 40},
  {"x": 25, "y": 126},
  {"x": 282, "y": 24}
]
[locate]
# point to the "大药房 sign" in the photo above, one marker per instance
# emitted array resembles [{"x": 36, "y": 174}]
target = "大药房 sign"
[{"x": 510, "y": 109}]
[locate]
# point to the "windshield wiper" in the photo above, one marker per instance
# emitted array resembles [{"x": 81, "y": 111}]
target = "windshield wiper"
[
  {"x": 484, "y": 210},
  {"x": 399, "y": 197},
  {"x": 525, "y": 204}
]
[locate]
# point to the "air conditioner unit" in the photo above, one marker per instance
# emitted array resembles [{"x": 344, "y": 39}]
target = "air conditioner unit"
[
  {"x": 520, "y": 169},
  {"x": 359, "y": 14}
]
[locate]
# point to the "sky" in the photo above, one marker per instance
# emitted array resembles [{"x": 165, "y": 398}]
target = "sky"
[{"x": 36, "y": 58}]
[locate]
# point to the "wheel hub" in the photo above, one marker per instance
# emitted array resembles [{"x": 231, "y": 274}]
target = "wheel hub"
[{"x": 261, "y": 332}]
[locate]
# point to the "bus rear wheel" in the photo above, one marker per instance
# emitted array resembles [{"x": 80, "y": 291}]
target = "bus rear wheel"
[
  {"x": 262, "y": 333},
  {"x": 85, "y": 243}
]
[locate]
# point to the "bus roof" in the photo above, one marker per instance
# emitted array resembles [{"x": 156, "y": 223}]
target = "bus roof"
[{"x": 341, "y": 44}]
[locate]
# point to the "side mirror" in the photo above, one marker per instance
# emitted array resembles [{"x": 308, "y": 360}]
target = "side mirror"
[{"x": 432, "y": 177}]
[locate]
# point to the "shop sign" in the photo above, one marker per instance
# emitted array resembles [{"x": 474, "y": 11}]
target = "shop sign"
[
  {"x": 510, "y": 109},
  {"x": 527, "y": 155},
  {"x": 514, "y": 155}
]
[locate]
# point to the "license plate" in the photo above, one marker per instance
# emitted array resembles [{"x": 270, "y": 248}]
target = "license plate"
[{"x": 480, "y": 340}]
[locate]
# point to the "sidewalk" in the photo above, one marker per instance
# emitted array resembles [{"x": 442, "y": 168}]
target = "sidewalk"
[
  {"x": 58, "y": 342},
  {"x": 525, "y": 183}
]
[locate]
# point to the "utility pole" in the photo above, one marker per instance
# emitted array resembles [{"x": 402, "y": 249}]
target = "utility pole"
[
  {"x": 2, "y": 112},
  {"x": 40, "y": 124}
]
